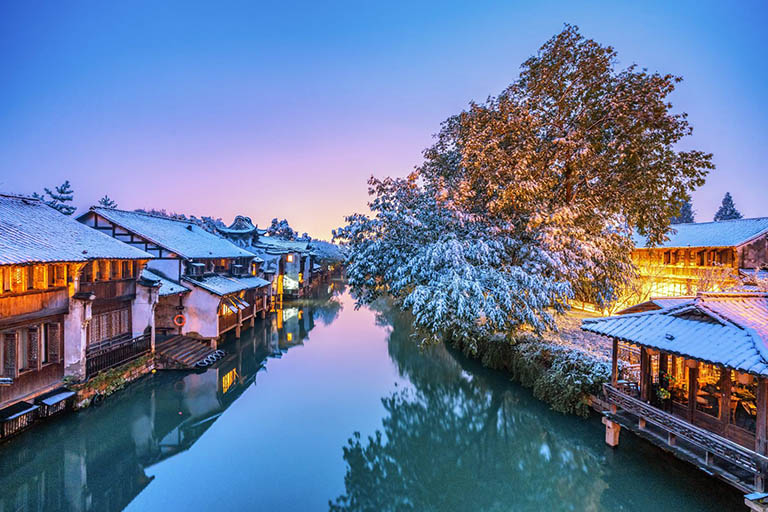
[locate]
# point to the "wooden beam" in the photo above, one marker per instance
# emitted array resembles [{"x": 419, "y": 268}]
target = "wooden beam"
[
  {"x": 693, "y": 383},
  {"x": 645, "y": 373},
  {"x": 761, "y": 446},
  {"x": 725, "y": 397}
]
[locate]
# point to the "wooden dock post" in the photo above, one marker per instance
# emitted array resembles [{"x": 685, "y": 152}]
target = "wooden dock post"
[{"x": 612, "y": 431}]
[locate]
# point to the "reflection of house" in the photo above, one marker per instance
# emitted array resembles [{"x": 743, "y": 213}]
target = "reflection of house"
[
  {"x": 99, "y": 461},
  {"x": 69, "y": 302},
  {"x": 702, "y": 256},
  {"x": 695, "y": 380},
  {"x": 223, "y": 289}
]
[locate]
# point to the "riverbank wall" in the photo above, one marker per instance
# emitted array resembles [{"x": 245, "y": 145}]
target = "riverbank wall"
[{"x": 105, "y": 383}]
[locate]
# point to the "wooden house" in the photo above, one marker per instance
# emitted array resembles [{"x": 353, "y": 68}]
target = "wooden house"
[
  {"x": 705, "y": 256},
  {"x": 692, "y": 377},
  {"x": 211, "y": 283},
  {"x": 70, "y": 302}
]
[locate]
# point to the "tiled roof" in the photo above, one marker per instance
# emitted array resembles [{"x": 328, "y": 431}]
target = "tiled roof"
[
  {"x": 185, "y": 238},
  {"x": 31, "y": 231},
  {"x": 730, "y": 329},
  {"x": 278, "y": 244},
  {"x": 726, "y": 233},
  {"x": 656, "y": 303},
  {"x": 224, "y": 285},
  {"x": 168, "y": 287},
  {"x": 241, "y": 226}
]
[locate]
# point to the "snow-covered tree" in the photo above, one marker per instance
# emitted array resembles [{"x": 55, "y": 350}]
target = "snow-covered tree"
[
  {"x": 727, "y": 210},
  {"x": 686, "y": 215},
  {"x": 209, "y": 224},
  {"x": 58, "y": 198},
  {"x": 282, "y": 230},
  {"x": 107, "y": 202},
  {"x": 530, "y": 197}
]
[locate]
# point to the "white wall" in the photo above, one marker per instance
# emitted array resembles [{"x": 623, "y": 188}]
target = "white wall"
[
  {"x": 201, "y": 311},
  {"x": 75, "y": 338}
]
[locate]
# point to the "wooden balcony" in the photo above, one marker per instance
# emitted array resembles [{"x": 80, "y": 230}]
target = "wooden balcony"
[
  {"x": 227, "y": 322},
  {"x": 105, "y": 290},
  {"x": 114, "y": 352},
  {"x": 737, "y": 465},
  {"x": 32, "y": 304},
  {"x": 687, "y": 272}
]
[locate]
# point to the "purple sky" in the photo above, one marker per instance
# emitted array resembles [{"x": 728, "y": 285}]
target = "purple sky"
[{"x": 284, "y": 111}]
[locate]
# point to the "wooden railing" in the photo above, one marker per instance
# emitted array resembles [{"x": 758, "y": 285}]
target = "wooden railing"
[
  {"x": 711, "y": 443},
  {"x": 227, "y": 322},
  {"x": 111, "y": 353}
]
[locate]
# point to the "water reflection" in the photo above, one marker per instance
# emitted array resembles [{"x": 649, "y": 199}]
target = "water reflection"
[
  {"x": 451, "y": 435},
  {"x": 464, "y": 438},
  {"x": 97, "y": 459}
]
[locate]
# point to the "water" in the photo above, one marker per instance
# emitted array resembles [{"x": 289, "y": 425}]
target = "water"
[{"x": 337, "y": 408}]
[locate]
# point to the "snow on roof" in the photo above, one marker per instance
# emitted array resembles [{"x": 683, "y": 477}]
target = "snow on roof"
[
  {"x": 725, "y": 233},
  {"x": 241, "y": 226},
  {"x": 274, "y": 243},
  {"x": 168, "y": 287},
  {"x": 31, "y": 231},
  {"x": 656, "y": 303},
  {"x": 185, "y": 238},
  {"x": 224, "y": 285},
  {"x": 730, "y": 329}
]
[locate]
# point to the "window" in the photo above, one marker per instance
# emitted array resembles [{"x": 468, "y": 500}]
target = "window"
[
  {"x": 115, "y": 270},
  {"x": 289, "y": 259},
  {"x": 88, "y": 272},
  {"x": 103, "y": 270},
  {"x": 677, "y": 375},
  {"x": 709, "y": 390},
  {"x": 9, "y": 354},
  {"x": 667, "y": 257},
  {"x": 5, "y": 274},
  {"x": 30, "y": 278},
  {"x": 109, "y": 325},
  {"x": 40, "y": 277},
  {"x": 127, "y": 269},
  {"x": 52, "y": 346},
  {"x": 743, "y": 401},
  {"x": 33, "y": 348}
]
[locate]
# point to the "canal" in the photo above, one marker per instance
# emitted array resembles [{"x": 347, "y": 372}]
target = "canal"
[{"x": 329, "y": 407}]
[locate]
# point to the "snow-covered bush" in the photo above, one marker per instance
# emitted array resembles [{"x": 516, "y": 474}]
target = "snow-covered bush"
[{"x": 564, "y": 377}]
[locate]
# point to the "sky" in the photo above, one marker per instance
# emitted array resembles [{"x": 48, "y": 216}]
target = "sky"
[{"x": 285, "y": 109}]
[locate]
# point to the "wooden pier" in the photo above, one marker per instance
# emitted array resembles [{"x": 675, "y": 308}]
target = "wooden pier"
[{"x": 184, "y": 353}]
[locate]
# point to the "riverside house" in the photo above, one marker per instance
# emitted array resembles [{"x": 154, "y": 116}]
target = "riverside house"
[
  {"x": 288, "y": 264},
  {"x": 692, "y": 376},
  {"x": 70, "y": 304},
  {"x": 214, "y": 282},
  {"x": 702, "y": 256}
]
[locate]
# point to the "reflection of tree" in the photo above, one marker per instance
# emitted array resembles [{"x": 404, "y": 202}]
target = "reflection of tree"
[
  {"x": 460, "y": 441},
  {"x": 463, "y": 438},
  {"x": 464, "y": 447}
]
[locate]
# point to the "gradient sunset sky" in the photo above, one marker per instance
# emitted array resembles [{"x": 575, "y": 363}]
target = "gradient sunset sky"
[{"x": 284, "y": 110}]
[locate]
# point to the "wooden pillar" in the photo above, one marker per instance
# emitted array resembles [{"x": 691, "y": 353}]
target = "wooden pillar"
[
  {"x": 761, "y": 445},
  {"x": 645, "y": 375},
  {"x": 615, "y": 362},
  {"x": 725, "y": 398},
  {"x": 612, "y": 431},
  {"x": 693, "y": 377}
]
